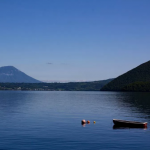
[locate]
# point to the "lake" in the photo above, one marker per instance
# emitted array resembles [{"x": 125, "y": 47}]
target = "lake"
[{"x": 43, "y": 120}]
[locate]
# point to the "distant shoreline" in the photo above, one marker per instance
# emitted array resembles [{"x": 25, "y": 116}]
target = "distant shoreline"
[{"x": 71, "y": 86}]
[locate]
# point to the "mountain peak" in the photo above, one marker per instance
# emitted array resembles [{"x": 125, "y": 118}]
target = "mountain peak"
[
  {"x": 11, "y": 67},
  {"x": 11, "y": 74}
]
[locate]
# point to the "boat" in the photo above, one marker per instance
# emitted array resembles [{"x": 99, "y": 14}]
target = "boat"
[{"x": 131, "y": 124}]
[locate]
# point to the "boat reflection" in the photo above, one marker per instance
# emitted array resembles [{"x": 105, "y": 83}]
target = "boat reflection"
[{"x": 125, "y": 127}]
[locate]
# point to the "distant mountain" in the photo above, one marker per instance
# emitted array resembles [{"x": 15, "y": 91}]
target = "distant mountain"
[
  {"x": 12, "y": 75},
  {"x": 134, "y": 79}
]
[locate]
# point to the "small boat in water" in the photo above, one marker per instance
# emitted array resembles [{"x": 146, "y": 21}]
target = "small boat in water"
[{"x": 131, "y": 124}]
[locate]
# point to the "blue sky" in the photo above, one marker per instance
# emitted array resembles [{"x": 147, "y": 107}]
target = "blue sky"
[{"x": 74, "y": 40}]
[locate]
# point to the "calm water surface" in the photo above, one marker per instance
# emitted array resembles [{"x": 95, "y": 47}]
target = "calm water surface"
[{"x": 52, "y": 120}]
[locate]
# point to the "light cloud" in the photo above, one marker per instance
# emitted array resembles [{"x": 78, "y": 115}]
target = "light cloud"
[{"x": 49, "y": 63}]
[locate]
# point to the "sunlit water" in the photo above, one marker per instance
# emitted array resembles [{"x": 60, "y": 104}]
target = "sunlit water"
[{"x": 52, "y": 120}]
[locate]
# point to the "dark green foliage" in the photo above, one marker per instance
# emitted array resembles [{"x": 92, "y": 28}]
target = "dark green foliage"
[
  {"x": 71, "y": 86},
  {"x": 138, "y": 74},
  {"x": 137, "y": 87}
]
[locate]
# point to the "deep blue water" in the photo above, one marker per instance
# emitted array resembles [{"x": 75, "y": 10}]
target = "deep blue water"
[{"x": 52, "y": 120}]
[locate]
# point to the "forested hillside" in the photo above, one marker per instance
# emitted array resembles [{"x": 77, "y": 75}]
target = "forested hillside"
[
  {"x": 137, "y": 87},
  {"x": 140, "y": 75}
]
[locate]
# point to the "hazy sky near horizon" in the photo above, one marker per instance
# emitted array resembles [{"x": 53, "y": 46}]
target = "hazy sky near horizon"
[{"x": 74, "y": 40}]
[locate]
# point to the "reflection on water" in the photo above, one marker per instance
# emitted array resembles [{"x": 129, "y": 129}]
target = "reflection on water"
[
  {"x": 137, "y": 102},
  {"x": 124, "y": 127},
  {"x": 52, "y": 120}
]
